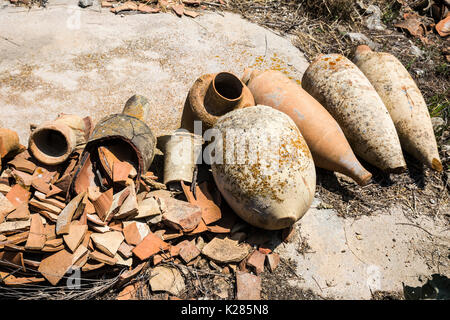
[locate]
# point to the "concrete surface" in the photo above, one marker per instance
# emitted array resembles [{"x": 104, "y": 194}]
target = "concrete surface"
[
  {"x": 64, "y": 59},
  {"x": 90, "y": 61},
  {"x": 349, "y": 259}
]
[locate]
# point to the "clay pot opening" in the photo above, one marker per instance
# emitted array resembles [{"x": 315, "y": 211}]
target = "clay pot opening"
[
  {"x": 51, "y": 143},
  {"x": 223, "y": 94},
  {"x": 228, "y": 86}
]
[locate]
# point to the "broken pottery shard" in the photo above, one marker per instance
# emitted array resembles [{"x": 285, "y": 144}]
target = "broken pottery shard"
[
  {"x": 5, "y": 205},
  {"x": 248, "y": 286},
  {"x": 129, "y": 207},
  {"x": 11, "y": 280},
  {"x": 225, "y": 250},
  {"x": 117, "y": 202},
  {"x": 147, "y": 9},
  {"x": 256, "y": 260},
  {"x": 121, "y": 170},
  {"x": 36, "y": 204},
  {"x": 9, "y": 142},
  {"x": 135, "y": 232},
  {"x": 65, "y": 217},
  {"x": 108, "y": 242},
  {"x": 18, "y": 195},
  {"x": 21, "y": 213},
  {"x": 443, "y": 26},
  {"x": 181, "y": 215},
  {"x": 191, "y": 13},
  {"x": 14, "y": 226},
  {"x": 54, "y": 267},
  {"x": 103, "y": 203},
  {"x": 167, "y": 279},
  {"x": 103, "y": 258},
  {"x": 36, "y": 239},
  {"x": 148, "y": 207},
  {"x": 75, "y": 236},
  {"x": 210, "y": 211},
  {"x": 151, "y": 245},
  {"x": 273, "y": 260},
  {"x": 23, "y": 165},
  {"x": 189, "y": 251},
  {"x": 123, "y": 262},
  {"x": 125, "y": 250},
  {"x": 127, "y": 6},
  {"x": 178, "y": 9}
]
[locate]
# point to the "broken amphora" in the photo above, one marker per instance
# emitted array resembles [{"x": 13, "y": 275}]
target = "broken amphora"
[
  {"x": 127, "y": 137},
  {"x": 351, "y": 99},
  {"x": 262, "y": 166},
  {"x": 404, "y": 101},
  {"x": 212, "y": 96},
  {"x": 53, "y": 142},
  {"x": 328, "y": 145}
]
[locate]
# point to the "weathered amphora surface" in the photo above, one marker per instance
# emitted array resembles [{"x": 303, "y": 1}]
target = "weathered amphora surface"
[
  {"x": 350, "y": 98},
  {"x": 404, "y": 101},
  {"x": 263, "y": 168},
  {"x": 329, "y": 147}
]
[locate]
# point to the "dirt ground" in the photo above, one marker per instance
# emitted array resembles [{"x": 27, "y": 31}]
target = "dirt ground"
[{"x": 414, "y": 206}]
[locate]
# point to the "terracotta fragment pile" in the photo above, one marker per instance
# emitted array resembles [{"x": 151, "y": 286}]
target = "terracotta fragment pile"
[{"x": 104, "y": 213}]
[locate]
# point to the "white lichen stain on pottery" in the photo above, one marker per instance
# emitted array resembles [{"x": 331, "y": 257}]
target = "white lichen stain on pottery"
[
  {"x": 267, "y": 175},
  {"x": 404, "y": 102},
  {"x": 351, "y": 99}
]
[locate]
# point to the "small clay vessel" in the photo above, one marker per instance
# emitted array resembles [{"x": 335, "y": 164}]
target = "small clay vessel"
[{"x": 53, "y": 142}]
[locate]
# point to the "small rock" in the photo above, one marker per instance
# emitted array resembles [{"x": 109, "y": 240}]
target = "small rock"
[
  {"x": 225, "y": 250},
  {"x": 85, "y": 3},
  {"x": 167, "y": 279},
  {"x": 360, "y": 38},
  {"x": 221, "y": 287},
  {"x": 373, "y": 21},
  {"x": 248, "y": 286},
  {"x": 438, "y": 123},
  {"x": 415, "y": 51}
]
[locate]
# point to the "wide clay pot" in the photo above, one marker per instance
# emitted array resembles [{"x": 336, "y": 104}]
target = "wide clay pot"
[
  {"x": 53, "y": 142},
  {"x": 325, "y": 139},
  {"x": 263, "y": 166},
  {"x": 350, "y": 98},
  {"x": 213, "y": 95},
  {"x": 404, "y": 101},
  {"x": 9, "y": 142}
]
